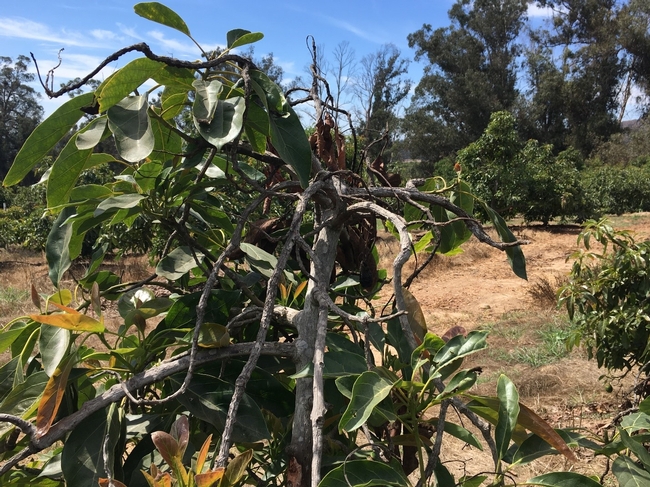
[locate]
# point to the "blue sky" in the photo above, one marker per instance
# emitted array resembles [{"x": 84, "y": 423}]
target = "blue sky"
[{"x": 91, "y": 30}]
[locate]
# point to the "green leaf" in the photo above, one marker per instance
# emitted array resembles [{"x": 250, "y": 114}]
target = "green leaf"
[
  {"x": 364, "y": 473},
  {"x": 157, "y": 12},
  {"x": 92, "y": 134},
  {"x": 208, "y": 398},
  {"x": 644, "y": 406},
  {"x": 629, "y": 474},
  {"x": 462, "y": 381},
  {"x": 289, "y": 139},
  {"x": 119, "y": 202},
  {"x": 226, "y": 124},
  {"x": 126, "y": 80},
  {"x": 82, "y": 460},
  {"x": 10, "y": 375},
  {"x": 563, "y": 479},
  {"x": 241, "y": 37},
  {"x": 89, "y": 192},
  {"x": 8, "y": 335},
  {"x": 206, "y": 100},
  {"x": 57, "y": 247},
  {"x": 443, "y": 477},
  {"x": 447, "y": 359},
  {"x": 65, "y": 172},
  {"x": 341, "y": 362},
  {"x": 177, "y": 263},
  {"x": 515, "y": 255},
  {"x": 262, "y": 261},
  {"x": 508, "y": 413},
  {"x": 130, "y": 124},
  {"x": 167, "y": 141},
  {"x": 369, "y": 390},
  {"x": 463, "y": 434},
  {"x": 53, "y": 344},
  {"x": 46, "y": 136},
  {"x": 23, "y": 399},
  {"x": 636, "y": 447}
]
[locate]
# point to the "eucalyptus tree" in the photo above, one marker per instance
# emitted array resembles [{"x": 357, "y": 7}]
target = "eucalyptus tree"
[
  {"x": 471, "y": 73},
  {"x": 260, "y": 331}
]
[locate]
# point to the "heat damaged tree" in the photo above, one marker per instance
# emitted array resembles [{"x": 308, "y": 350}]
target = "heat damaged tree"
[{"x": 257, "y": 328}]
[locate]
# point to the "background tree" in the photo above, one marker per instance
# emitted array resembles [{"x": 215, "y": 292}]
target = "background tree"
[
  {"x": 20, "y": 110},
  {"x": 471, "y": 74}
]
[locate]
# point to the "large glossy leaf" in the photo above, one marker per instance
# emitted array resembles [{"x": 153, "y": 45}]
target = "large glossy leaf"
[
  {"x": 46, "y": 136},
  {"x": 23, "y": 399},
  {"x": 82, "y": 460},
  {"x": 208, "y": 398},
  {"x": 157, "y": 12},
  {"x": 289, "y": 139},
  {"x": 508, "y": 413},
  {"x": 369, "y": 390},
  {"x": 52, "y": 396},
  {"x": 637, "y": 448},
  {"x": 119, "y": 202},
  {"x": 226, "y": 123},
  {"x": 126, "y": 80},
  {"x": 629, "y": 474},
  {"x": 9, "y": 373},
  {"x": 206, "y": 100},
  {"x": 447, "y": 359},
  {"x": 53, "y": 344},
  {"x": 92, "y": 133},
  {"x": 339, "y": 363},
  {"x": 241, "y": 37},
  {"x": 130, "y": 124},
  {"x": 563, "y": 479},
  {"x": 177, "y": 263},
  {"x": 515, "y": 255},
  {"x": 8, "y": 335},
  {"x": 167, "y": 141},
  {"x": 364, "y": 473},
  {"x": 57, "y": 247},
  {"x": 65, "y": 173}
]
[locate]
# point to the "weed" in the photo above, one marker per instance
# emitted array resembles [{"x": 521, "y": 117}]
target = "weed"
[
  {"x": 543, "y": 290},
  {"x": 11, "y": 295}
]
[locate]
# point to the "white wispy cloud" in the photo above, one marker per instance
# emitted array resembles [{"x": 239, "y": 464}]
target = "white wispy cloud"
[
  {"x": 174, "y": 46},
  {"x": 342, "y": 24},
  {"x": 105, "y": 35},
  {"x": 27, "y": 29}
]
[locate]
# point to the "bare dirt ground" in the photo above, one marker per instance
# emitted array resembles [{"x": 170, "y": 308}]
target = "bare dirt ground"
[{"x": 476, "y": 290}]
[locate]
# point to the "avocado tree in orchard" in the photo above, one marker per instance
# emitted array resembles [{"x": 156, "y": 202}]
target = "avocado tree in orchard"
[{"x": 255, "y": 352}]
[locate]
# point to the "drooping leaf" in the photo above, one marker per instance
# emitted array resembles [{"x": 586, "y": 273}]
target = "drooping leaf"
[
  {"x": 82, "y": 460},
  {"x": 463, "y": 434},
  {"x": 92, "y": 134},
  {"x": 205, "y": 100},
  {"x": 130, "y": 124},
  {"x": 119, "y": 202},
  {"x": 178, "y": 263},
  {"x": 636, "y": 447},
  {"x": 65, "y": 173},
  {"x": 226, "y": 123},
  {"x": 629, "y": 474},
  {"x": 52, "y": 396},
  {"x": 369, "y": 390},
  {"x": 443, "y": 476},
  {"x": 157, "y": 12},
  {"x": 74, "y": 322},
  {"x": 515, "y": 255},
  {"x": 563, "y": 479},
  {"x": 57, "y": 247},
  {"x": 364, "y": 473},
  {"x": 289, "y": 139},
  {"x": 508, "y": 413},
  {"x": 44, "y": 137},
  {"x": 415, "y": 315},
  {"x": 126, "y": 80},
  {"x": 53, "y": 344}
]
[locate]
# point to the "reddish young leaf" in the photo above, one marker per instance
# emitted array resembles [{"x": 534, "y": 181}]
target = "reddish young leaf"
[
  {"x": 181, "y": 433},
  {"x": 209, "y": 479},
  {"x": 106, "y": 483},
  {"x": 36, "y": 298},
  {"x": 203, "y": 454}
]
